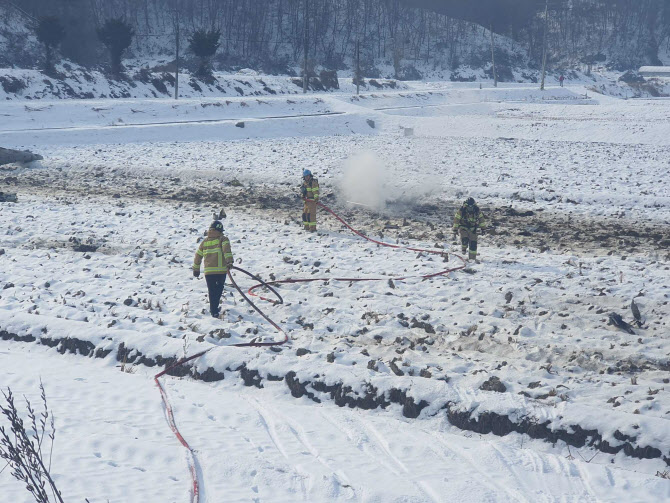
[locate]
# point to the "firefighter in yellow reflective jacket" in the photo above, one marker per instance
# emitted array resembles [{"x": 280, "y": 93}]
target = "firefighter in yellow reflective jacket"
[
  {"x": 468, "y": 222},
  {"x": 217, "y": 256},
  {"x": 310, "y": 195}
]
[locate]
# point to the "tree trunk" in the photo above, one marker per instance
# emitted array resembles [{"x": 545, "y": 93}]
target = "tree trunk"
[
  {"x": 116, "y": 64},
  {"x": 544, "y": 44},
  {"x": 176, "y": 59},
  {"x": 305, "y": 77},
  {"x": 493, "y": 59},
  {"x": 49, "y": 58}
]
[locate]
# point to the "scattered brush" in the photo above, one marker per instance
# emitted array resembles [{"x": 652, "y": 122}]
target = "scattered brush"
[
  {"x": 636, "y": 313},
  {"x": 185, "y": 345},
  {"x": 616, "y": 320},
  {"x": 22, "y": 448},
  {"x": 128, "y": 370}
]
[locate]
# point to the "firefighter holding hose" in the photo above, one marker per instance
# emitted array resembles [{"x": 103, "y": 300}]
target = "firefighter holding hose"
[
  {"x": 310, "y": 196},
  {"x": 216, "y": 254},
  {"x": 468, "y": 221}
]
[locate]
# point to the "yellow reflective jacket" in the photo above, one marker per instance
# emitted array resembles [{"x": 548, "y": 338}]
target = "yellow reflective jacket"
[
  {"x": 216, "y": 252},
  {"x": 471, "y": 220},
  {"x": 310, "y": 190}
]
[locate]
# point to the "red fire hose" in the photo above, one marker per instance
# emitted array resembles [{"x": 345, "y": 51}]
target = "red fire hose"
[
  {"x": 350, "y": 280},
  {"x": 191, "y": 459}
]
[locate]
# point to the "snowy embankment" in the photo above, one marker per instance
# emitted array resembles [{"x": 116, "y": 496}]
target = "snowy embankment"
[
  {"x": 74, "y": 82},
  {"x": 256, "y": 445},
  {"x": 97, "y": 254}
]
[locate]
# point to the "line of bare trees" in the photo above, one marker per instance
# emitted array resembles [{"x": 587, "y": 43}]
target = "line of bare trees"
[{"x": 274, "y": 32}]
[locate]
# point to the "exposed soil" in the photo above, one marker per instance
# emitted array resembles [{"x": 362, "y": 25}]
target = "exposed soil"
[
  {"x": 538, "y": 230},
  {"x": 371, "y": 398}
]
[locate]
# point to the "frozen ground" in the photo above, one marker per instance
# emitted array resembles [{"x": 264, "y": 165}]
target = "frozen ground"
[{"x": 99, "y": 246}]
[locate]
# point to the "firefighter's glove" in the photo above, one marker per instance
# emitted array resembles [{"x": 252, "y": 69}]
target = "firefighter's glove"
[{"x": 196, "y": 273}]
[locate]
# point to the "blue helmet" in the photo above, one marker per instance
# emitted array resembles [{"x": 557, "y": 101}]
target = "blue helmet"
[{"x": 306, "y": 173}]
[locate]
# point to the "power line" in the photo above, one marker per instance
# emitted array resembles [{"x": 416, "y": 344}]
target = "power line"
[{"x": 21, "y": 11}]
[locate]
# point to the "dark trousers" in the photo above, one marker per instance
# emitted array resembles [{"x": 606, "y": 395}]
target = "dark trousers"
[{"x": 215, "y": 285}]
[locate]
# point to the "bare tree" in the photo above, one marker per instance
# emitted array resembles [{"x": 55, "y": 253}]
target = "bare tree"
[
  {"x": 22, "y": 447},
  {"x": 204, "y": 44},
  {"x": 116, "y": 35},
  {"x": 51, "y": 33}
]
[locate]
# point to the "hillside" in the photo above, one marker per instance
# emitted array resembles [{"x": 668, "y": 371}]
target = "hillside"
[{"x": 397, "y": 41}]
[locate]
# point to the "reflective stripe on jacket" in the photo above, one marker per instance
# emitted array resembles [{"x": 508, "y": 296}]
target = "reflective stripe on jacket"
[
  {"x": 471, "y": 220},
  {"x": 215, "y": 252},
  {"x": 311, "y": 189}
]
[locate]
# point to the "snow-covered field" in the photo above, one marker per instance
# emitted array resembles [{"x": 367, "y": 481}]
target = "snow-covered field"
[{"x": 97, "y": 254}]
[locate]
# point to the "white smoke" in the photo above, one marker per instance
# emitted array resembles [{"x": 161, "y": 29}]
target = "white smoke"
[{"x": 364, "y": 181}]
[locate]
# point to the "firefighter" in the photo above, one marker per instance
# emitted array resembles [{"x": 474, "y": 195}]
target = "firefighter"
[
  {"x": 310, "y": 195},
  {"x": 217, "y": 255},
  {"x": 468, "y": 221}
]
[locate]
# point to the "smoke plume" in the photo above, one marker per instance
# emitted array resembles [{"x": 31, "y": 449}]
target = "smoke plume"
[{"x": 364, "y": 181}]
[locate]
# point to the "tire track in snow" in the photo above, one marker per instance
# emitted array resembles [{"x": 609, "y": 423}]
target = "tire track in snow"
[
  {"x": 270, "y": 427},
  {"x": 423, "y": 485},
  {"x": 377, "y": 449},
  {"x": 486, "y": 479},
  {"x": 360, "y": 443},
  {"x": 301, "y": 436},
  {"x": 537, "y": 464}
]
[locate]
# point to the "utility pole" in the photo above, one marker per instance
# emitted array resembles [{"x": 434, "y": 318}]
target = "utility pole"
[
  {"x": 358, "y": 67},
  {"x": 493, "y": 58},
  {"x": 305, "y": 77},
  {"x": 544, "y": 44},
  {"x": 176, "y": 60}
]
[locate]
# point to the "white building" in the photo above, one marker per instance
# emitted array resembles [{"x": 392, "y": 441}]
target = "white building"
[{"x": 655, "y": 72}]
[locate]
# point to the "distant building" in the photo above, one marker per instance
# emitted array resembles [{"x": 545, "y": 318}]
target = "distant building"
[{"x": 655, "y": 71}]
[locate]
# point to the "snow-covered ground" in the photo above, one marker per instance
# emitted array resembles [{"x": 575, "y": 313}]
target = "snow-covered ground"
[
  {"x": 98, "y": 250},
  {"x": 256, "y": 445}
]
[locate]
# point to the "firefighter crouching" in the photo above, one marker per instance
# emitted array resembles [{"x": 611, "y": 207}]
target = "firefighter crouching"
[
  {"x": 468, "y": 222},
  {"x": 310, "y": 195},
  {"x": 217, "y": 256}
]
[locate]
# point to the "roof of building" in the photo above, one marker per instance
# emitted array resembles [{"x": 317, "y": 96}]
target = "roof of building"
[{"x": 655, "y": 69}]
